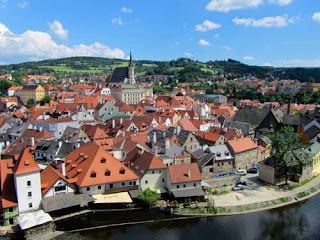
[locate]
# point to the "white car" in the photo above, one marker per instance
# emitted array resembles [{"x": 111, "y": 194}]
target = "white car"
[{"x": 241, "y": 172}]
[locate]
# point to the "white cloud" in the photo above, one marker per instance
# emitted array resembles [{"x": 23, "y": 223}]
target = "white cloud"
[
  {"x": 22, "y": 4},
  {"x": 40, "y": 45},
  {"x": 177, "y": 43},
  {"x": 57, "y": 29},
  {"x": 116, "y": 20},
  {"x": 301, "y": 63},
  {"x": 207, "y": 26},
  {"x": 3, "y": 3},
  {"x": 203, "y": 42},
  {"x": 188, "y": 54},
  {"x": 278, "y": 21},
  {"x": 126, "y": 10},
  {"x": 217, "y": 35},
  {"x": 316, "y": 17},
  {"x": 267, "y": 64},
  {"x": 228, "y": 5},
  {"x": 249, "y": 58},
  {"x": 280, "y": 2},
  {"x": 227, "y": 48}
]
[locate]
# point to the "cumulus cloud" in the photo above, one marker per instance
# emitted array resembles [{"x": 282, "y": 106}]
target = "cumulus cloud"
[
  {"x": 301, "y": 63},
  {"x": 22, "y": 4},
  {"x": 249, "y": 58},
  {"x": 203, "y": 42},
  {"x": 267, "y": 64},
  {"x": 228, "y": 5},
  {"x": 57, "y": 29},
  {"x": 217, "y": 35},
  {"x": 126, "y": 10},
  {"x": 278, "y": 21},
  {"x": 316, "y": 17},
  {"x": 187, "y": 54},
  {"x": 116, "y": 20},
  {"x": 207, "y": 26},
  {"x": 227, "y": 48},
  {"x": 281, "y": 2},
  {"x": 40, "y": 45}
]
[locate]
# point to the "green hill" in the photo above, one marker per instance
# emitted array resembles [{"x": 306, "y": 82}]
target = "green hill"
[{"x": 183, "y": 69}]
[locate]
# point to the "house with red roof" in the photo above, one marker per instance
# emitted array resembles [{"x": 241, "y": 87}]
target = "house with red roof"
[
  {"x": 245, "y": 152},
  {"x": 151, "y": 169},
  {"x": 184, "y": 181},
  {"x": 94, "y": 171}
]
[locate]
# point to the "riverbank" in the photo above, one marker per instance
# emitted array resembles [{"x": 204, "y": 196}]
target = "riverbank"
[{"x": 273, "y": 199}]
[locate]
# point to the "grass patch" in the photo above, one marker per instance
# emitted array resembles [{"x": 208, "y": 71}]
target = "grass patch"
[{"x": 301, "y": 184}]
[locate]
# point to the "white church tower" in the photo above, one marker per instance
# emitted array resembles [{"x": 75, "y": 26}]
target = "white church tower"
[
  {"x": 27, "y": 182},
  {"x": 131, "y": 78}
]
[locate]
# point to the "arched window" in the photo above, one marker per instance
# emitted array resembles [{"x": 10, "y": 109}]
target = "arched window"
[
  {"x": 93, "y": 174},
  {"x": 107, "y": 173}
]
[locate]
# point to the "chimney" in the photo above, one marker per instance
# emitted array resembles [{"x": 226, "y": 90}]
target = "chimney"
[
  {"x": 113, "y": 123},
  {"x": 63, "y": 169},
  {"x": 189, "y": 173},
  {"x": 178, "y": 130},
  {"x": 32, "y": 141},
  {"x": 289, "y": 107},
  {"x": 121, "y": 120},
  {"x": 123, "y": 133},
  {"x": 40, "y": 129},
  {"x": 155, "y": 152},
  {"x": 154, "y": 137},
  {"x": 167, "y": 143},
  {"x": 59, "y": 144}
]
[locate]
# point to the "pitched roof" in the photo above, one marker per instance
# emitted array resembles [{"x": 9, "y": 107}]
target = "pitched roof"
[
  {"x": 180, "y": 173},
  {"x": 88, "y": 165},
  {"x": 141, "y": 161},
  {"x": 8, "y": 194},
  {"x": 49, "y": 176},
  {"x": 187, "y": 125},
  {"x": 26, "y": 163},
  {"x": 242, "y": 144}
]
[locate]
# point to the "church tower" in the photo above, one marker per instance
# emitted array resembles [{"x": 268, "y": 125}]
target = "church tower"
[{"x": 131, "y": 77}]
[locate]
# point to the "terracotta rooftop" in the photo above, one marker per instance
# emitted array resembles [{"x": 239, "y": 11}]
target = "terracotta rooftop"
[
  {"x": 26, "y": 163},
  {"x": 242, "y": 144},
  {"x": 184, "y": 173}
]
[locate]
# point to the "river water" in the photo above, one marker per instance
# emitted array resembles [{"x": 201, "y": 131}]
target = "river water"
[{"x": 299, "y": 221}]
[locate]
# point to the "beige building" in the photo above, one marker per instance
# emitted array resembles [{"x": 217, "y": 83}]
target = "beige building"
[
  {"x": 130, "y": 94},
  {"x": 245, "y": 152},
  {"x": 32, "y": 92}
]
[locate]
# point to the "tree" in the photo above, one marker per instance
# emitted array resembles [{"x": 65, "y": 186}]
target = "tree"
[
  {"x": 180, "y": 94},
  {"x": 285, "y": 144},
  {"x": 30, "y": 103},
  {"x": 4, "y": 85},
  {"x": 148, "y": 198},
  {"x": 45, "y": 99}
]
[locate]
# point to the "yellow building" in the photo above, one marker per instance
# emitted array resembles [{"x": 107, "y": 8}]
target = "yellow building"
[
  {"x": 314, "y": 152},
  {"x": 32, "y": 92}
]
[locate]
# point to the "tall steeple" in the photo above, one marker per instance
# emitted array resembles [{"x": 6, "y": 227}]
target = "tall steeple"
[
  {"x": 130, "y": 62},
  {"x": 131, "y": 77}
]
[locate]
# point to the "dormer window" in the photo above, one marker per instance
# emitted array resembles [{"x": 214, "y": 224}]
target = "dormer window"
[
  {"x": 107, "y": 173},
  {"x": 122, "y": 171},
  {"x": 226, "y": 153},
  {"x": 103, "y": 160},
  {"x": 218, "y": 154},
  {"x": 93, "y": 174}
]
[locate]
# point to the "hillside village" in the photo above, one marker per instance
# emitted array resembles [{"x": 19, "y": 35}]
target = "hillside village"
[{"x": 66, "y": 146}]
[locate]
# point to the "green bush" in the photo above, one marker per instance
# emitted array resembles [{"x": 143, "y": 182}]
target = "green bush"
[{"x": 148, "y": 198}]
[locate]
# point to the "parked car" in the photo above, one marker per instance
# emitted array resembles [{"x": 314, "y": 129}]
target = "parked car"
[
  {"x": 253, "y": 170},
  {"x": 244, "y": 183},
  {"x": 241, "y": 172},
  {"x": 238, "y": 188}
]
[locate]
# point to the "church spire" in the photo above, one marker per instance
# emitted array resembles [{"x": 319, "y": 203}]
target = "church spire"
[{"x": 130, "y": 62}]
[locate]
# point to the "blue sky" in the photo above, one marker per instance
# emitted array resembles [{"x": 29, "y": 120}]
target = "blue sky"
[{"x": 260, "y": 32}]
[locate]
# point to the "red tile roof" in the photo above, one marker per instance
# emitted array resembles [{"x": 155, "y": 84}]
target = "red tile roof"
[
  {"x": 8, "y": 198},
  {"x": 49, "y": 176},
  {"x": 242, "y": 144},
  {"x": 179, "y": 173},
  {"x": 26, "y": 163},
  {"x": 88, "y": 165}
]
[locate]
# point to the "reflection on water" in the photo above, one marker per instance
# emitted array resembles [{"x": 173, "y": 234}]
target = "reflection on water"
[{"x": 295, "y": 222}]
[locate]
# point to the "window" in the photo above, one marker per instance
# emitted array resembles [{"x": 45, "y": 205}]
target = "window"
[
  {"x": 99, "y": 187},
  {"x": 60, "y": 188},
  {"x": 134, "y": 183},
  {"x": 211, "y": 169},
  {"x": 111, "y": 185},
  {"x": 194, "y": 184},
  {"x": 11, "y": 222},
  {"x": 229, "y": 163},
  {"x": 29, "y": 194},
  {"x": 123, "y": 184},
  {"x": 10, "y": 209},
  {"x": 222, "y": 164},
  {"x": 130, "y": 183},
  {"x": 146, "y": 182},
  {"x": 103, "y": 160},
  {"x": 159, "y": 171},
  {"x": 122, "y": 171},
  {"x": 107, "y": 173},
  {"x": 178, "y": 186},
  {"x": 88, "y": 189},
  {"x": 152, "y": 172},
  {"x": 29, "y": 183},
  {"x": 184, "y": 185},
  {"x": 30, "y": 205},
  {"x": 93, "y": 175},
  {"x": 163, "y": 180}
]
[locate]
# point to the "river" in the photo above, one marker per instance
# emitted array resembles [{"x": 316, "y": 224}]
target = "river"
[{"x": 299, "y": 221}]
